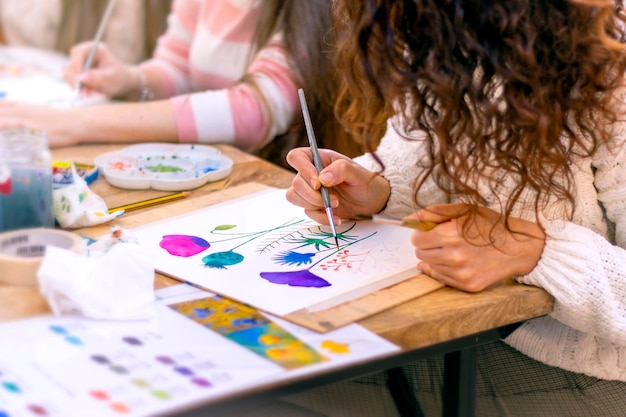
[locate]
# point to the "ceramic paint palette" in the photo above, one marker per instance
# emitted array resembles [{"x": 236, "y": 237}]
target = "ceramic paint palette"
[{"x": 165, "y": 167}]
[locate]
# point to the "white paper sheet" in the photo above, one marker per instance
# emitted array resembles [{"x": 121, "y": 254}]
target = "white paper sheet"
[
  {"x": 263, "y": 251},
  {"x": 76, "y": 367}
]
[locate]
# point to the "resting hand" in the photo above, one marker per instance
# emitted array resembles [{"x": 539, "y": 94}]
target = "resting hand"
[
  {"x": 107, "y": 76},
  {"x": 353, "y": 189},
  {"x": 472, "y": 263},
  {"x": 53, "y": 121}
]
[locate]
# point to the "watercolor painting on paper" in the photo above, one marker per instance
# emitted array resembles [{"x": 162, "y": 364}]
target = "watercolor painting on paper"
[
  {"x": 249, "y": 328},
  {"x": 263, "y": 251}
]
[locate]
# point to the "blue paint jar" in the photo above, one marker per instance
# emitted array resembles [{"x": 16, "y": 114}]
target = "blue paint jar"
[{"x": 25, "y": 180}]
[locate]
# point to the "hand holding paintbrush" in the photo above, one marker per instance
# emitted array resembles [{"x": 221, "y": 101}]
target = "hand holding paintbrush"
[{"x": 96, "y": 41}]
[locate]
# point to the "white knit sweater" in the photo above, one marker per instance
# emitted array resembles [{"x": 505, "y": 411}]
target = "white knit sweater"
[{"x": 583, "y": 264}]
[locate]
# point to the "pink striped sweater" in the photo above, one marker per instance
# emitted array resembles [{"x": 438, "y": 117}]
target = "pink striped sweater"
[{"x": 220, "y": 92}]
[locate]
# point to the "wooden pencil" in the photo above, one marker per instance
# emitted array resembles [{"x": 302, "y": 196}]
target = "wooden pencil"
[{"x": 150, "y": 202}]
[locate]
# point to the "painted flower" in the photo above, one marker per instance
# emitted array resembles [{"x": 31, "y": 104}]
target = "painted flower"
[
  {"x": 300, "y": 278},
  {"x": 220, "y": 260},
  {"x": 183, "y": 245},
  {"x": 294, "y": 258},
  {"x": 203, "y": 312},
  {"x": 249, "y": 321}
]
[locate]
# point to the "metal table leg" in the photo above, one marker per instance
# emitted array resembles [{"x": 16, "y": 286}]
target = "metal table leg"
[{"x": 459, "y": 383}]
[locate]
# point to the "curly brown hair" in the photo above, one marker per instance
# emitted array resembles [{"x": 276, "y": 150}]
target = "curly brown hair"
[{"x": 520, "y": 85}]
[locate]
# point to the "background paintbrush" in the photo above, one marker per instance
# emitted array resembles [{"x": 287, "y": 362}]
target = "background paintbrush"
[
  {"x": 96, "y": 41},
  {"x": 423, "y": 225}
]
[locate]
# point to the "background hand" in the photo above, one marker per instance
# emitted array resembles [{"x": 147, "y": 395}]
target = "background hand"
[
  {"x": 53, "y": 121},
  {"x": 487, "y": 254},
  {"x": 108, "y": 75}
]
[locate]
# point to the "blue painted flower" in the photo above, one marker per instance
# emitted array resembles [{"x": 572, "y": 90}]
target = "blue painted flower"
[
  {"x": 301, "y": 278},
  {"x": 249, "y": 321},
  {"x": 294, "y": 258},
  {"x": 203, "y": 312}
]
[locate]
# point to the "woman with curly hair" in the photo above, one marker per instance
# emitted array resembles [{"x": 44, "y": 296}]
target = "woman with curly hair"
[{"x": 506, "y": 127}]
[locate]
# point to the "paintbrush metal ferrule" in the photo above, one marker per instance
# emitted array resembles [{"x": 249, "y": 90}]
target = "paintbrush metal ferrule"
[{"x": 333, "y": 228}]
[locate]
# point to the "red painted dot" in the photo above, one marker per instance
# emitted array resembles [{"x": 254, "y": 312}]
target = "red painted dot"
[
  {"x": 99, "y": 395},
  {"x": 38, "y": 410},
  {"x": 120, "y": 408}
]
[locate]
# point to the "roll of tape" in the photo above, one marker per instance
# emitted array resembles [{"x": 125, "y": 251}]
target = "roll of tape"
[{"x": 21, "y": 252}]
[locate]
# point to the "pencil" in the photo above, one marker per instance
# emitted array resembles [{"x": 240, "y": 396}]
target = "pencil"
[
  {"x": 96, "y": 40},
  {"x": 423, "y": 225},
  {"x": 317, "y": 161},
  {"x": 150, "y": 202}
]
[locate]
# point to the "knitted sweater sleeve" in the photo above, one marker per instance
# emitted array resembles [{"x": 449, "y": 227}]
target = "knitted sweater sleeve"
[
  {"x": 257, "y": 97},
  {"x": 248, "y": 114},
  {"x": 399, "y": 153},
  {"x": 583, "y": 270}
]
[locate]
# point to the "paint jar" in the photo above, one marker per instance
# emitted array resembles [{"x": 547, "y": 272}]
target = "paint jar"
[{"x": 25, "y": 180}]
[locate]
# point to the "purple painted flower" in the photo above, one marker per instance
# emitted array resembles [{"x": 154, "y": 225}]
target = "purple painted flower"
[{"x": 301, "y": 278}]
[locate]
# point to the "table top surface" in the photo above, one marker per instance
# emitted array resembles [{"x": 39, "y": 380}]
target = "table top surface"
[{"x": 443, "y": 315}]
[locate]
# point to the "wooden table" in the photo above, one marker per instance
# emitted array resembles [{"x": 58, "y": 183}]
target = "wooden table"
[{"x": 447, "y": 321}]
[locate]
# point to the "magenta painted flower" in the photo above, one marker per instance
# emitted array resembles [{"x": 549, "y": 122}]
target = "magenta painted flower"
[
  {"x": 184, "y": 245},
  {"x": 300, "y": 278}
]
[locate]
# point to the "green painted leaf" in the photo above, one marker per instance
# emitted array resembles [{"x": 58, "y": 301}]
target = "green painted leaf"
[{"x": 226, "y": 226}]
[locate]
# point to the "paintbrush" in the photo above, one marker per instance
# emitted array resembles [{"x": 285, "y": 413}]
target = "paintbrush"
[
  {"x": 317, "y": 161},
  {"x": 96, "y": 41},
  {"x": 423, "y": 225}
]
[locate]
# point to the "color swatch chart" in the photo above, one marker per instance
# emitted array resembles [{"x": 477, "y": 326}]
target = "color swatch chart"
[{"x": 199, "y": 347}]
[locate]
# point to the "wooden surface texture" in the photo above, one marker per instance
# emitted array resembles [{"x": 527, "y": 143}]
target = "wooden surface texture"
[{"x": 441, "y": 315}]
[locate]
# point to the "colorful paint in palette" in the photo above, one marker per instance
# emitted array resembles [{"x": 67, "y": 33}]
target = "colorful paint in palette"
[{"x": 164, "y": 167}]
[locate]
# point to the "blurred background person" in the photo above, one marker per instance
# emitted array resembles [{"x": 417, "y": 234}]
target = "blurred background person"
[{"x": 58, "y": 25}]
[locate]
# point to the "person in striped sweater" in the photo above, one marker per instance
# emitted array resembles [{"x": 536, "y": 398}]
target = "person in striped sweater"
[{"x": 225, "y": 71}]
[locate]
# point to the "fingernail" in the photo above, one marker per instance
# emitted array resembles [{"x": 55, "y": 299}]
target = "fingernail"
[{"x": 326, "y": 177}]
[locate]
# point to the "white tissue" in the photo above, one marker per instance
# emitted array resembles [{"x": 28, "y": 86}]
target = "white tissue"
[{"x": 119, "y": 285}]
